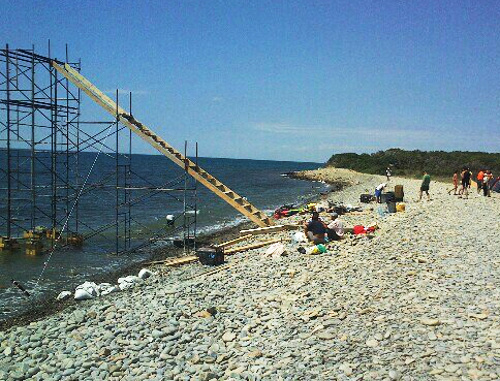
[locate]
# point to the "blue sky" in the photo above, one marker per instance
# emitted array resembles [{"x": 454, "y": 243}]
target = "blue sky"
[{"x": 286, "y": 80}]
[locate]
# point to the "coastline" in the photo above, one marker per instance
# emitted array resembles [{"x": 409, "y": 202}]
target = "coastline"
[
  {"x": 49, "y": 305},
  {"x": 346, "y": 313}
]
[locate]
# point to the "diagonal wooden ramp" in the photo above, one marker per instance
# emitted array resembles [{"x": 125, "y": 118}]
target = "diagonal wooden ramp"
[{"x": 202, "y": 176}]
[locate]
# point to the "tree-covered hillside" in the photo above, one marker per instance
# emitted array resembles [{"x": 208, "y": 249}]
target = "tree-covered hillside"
[{"x": 412, "y": 163}]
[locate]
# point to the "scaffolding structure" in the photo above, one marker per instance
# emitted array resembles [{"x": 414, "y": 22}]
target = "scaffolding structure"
[{"x": 55, "y": 166}]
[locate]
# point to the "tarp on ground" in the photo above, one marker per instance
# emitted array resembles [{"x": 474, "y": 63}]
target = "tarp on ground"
[{"x": 496, "y": 185}]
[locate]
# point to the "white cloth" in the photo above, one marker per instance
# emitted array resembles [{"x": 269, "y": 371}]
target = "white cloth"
[
  {"x": 337, "y": 226},
  {"x": 381, "y": 186}
]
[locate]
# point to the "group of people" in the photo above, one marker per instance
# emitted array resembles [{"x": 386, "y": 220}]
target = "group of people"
[
  {"x": 483, "y": 178},
  {"x": 318, "y": 231}
]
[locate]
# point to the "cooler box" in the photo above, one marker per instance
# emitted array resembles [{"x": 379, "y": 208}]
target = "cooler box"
[{"x": 211, "y": 256}]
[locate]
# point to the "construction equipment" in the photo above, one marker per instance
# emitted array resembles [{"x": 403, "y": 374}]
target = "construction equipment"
[{"x": 200, "y": 175}]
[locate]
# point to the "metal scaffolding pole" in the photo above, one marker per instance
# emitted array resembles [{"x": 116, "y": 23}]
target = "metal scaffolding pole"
[{"x": 47, "y": 150}]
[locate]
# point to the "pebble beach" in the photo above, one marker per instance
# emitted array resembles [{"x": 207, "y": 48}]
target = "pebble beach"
[{"x": 418, "y": 301}]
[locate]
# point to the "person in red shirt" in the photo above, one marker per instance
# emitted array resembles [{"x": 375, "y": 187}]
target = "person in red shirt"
[{"x": 480, "y": 177}]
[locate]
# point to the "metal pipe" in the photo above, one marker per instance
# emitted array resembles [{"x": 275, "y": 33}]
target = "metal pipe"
[
  {"x": 9, "y": 183},
  {"x": 33, "y": 148}
]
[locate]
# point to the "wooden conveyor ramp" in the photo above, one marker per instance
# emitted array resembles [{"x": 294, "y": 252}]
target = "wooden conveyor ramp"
[{"x": 231, "y": 197}]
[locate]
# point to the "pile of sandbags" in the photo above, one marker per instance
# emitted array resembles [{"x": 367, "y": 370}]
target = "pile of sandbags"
[{"x": 91, "y": 290}]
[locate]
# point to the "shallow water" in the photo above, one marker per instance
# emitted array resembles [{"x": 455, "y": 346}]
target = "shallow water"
[{"x": 46, "y": 274}]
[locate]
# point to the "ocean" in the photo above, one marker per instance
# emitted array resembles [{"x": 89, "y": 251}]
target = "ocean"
[{"x": 45, "y": 275}]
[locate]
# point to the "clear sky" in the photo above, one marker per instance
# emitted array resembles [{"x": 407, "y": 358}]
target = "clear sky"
[{"x": 286, "y": 80}]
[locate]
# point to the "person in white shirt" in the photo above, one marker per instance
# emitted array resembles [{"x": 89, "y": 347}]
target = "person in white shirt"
[
  {"x": 335, "y": 228},
  {"x": 378, "y": 192}
]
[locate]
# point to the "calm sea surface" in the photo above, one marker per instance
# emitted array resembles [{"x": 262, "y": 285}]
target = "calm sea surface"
[{"x": 258, "y": 180}]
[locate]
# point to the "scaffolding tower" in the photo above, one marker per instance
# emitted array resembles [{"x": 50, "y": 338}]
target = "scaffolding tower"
[{"x": 48, "y": 157}]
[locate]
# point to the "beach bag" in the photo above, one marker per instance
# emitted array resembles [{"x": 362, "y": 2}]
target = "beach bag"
[{"x": 366, "y": 198}]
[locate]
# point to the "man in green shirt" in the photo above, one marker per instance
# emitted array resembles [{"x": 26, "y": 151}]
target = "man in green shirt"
[{"x": 426, "y": 181}]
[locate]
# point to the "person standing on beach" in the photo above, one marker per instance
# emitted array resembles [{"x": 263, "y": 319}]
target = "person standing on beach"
[
  {"x": 426, "y": 182},
  {"x": 378, "y": 192},
  {"x": 466, "y": 175},
  {"x": 486, "y": 183},
  {"x": 480, "y": 177},
  {"x": 388, "y": 174},
  {"x": 455, "y": 184}
]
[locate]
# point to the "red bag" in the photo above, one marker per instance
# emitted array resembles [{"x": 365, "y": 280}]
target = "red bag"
[{"x": 359, "y": 229}]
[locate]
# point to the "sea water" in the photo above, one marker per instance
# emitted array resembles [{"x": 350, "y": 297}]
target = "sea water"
[{"x": 44, "y": 275}]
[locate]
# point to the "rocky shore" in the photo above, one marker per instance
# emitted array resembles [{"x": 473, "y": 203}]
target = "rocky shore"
[{"x": 419, "y": 301}]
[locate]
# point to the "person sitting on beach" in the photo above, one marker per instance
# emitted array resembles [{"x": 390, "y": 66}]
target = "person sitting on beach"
[
  {"x": 378, "y": 192},
  {"x": 455, "y": 184},
  {"x": 315, "y": 229},
  {"x": 426, "y": 181},
  {"x": 335, "y": 230}
]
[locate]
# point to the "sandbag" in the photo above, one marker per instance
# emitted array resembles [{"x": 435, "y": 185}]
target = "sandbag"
[
  {"x": 63, "y": 295},
  {"x": 145, "y": 274},
  {"x": 276, "y": 250},
  {"x": 128, "y": 282},
  {"x": 298, "y": 237},
  {"x": 87, "y": 290},
  {"x": 107, "y": 288}
]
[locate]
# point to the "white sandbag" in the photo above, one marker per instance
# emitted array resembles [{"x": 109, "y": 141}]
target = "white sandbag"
[
  {"x": 298, "y": 237},
  {"x": 63, "y": 295},
  {"x": 276, "y": 250},
  {"x": 128, "y": 282},
  {"x": 129, "y": 279},
  {"x": 83, "y": 294},
  {"x": 125, "y": 285},
  {"x": 89, "y": 287},
  {"x": 103, "y": 286},
  {"x": 145, "y": 274},
  {"x": 109, "y": 290}
]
